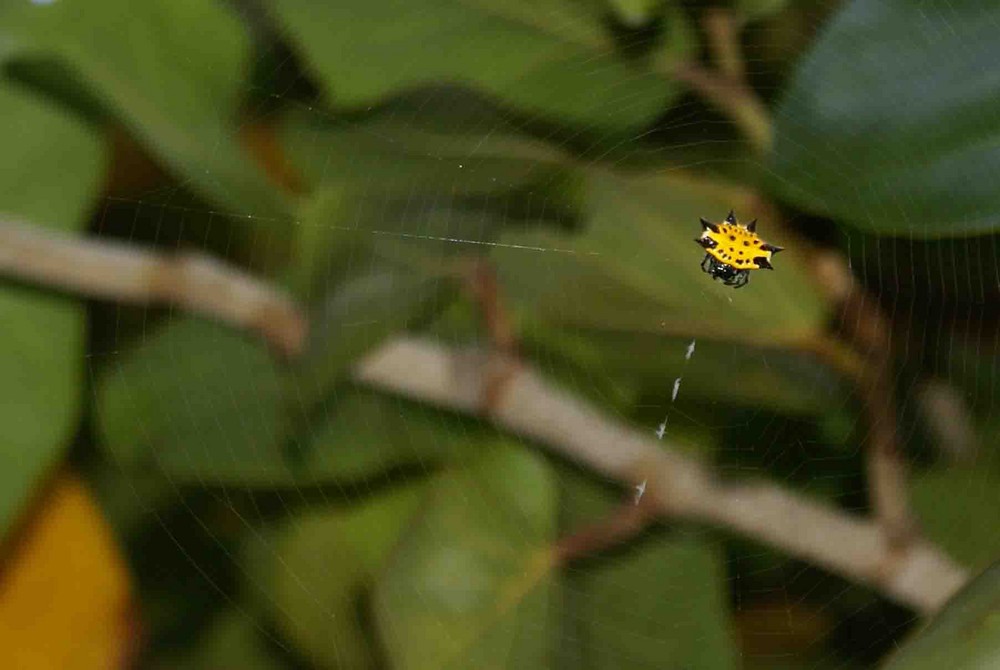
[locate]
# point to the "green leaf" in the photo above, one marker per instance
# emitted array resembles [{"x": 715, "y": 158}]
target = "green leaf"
[
  {"x": 662, "y": 604},
  {"x": 355, "y": 315},
  {"x": 402, "y": 153},
  {"x": 659, "y": 602},
  {"x": 206, "y": 404},
  {"x": 310, "y": 575},
  {"x": 552, "y": 57},
  {"x": 173, "y": 77},
  {"x": 755, "y": 376},
  {"x": 51, "y": 169},
  {"x": 199, "y": 401},
  {"x": 470, "y": 586},
  {"x": 635, "y": 267},
  {"x": 890, "y": 124},
  {"x": 957, "y": 508},
  {"x": 757, "y": 9},
  {"x": 233, "y": 640},
  {"x": 636, "y": 13},
  {"x": 364, "y": 434},
  {"x": 965, "y": 635}
]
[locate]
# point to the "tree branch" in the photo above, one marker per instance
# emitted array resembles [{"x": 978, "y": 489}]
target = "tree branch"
[
  {"x": 116, "y": 271},
  {"x": 864, "y": 326},
  {"x": 725, "y": 86},
  {"x": 950, "y": 421},
  {"x": 722, "y": 29},
  {"x": 918, "y": 575},
  {"x": 622, "y": 524}
]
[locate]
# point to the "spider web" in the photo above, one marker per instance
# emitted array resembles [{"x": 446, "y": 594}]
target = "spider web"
[{"x": 287, "y": 515}]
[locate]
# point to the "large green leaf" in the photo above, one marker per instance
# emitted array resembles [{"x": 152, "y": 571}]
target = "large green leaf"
[
  {"x": 355, "y": 315},
  {"x": 363, "y": 434},
  {"x": 660, "y": 605},
  {"x": 635, "y": 13},
  {"x": 965, "y": 635},
  {"x": 890, "y": 121},
  {"x": 403, "y": 153},
  {"x": 469, "y": 586},
  {"x": 310, "y": 575},
  {"x": 660, "y": 602},
  {"x": 198, "y": 400},
  {"x": 51, "y": 168},
  {"x": 957, "y": 508},
  {"x": 171, "y": 70},
  {"x": 553, "y": 57},
  {"x": 635, "y": 267},
  {"x": 756, "y": 9},
  {"x": 207, "y": 404},
  {"x": 754, "y": 376},
  {"x": 232, "y": 640}
]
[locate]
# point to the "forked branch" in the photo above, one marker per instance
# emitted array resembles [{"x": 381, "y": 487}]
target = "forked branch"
[
  {"x": 724, "y": 85},
  {"x": 116, "y": 271},
  {"x": 917, "y": 574},
  {"x": 864, "y": 326}
]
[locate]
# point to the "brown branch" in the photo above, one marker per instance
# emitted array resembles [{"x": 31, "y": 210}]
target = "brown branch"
[
  {"x": 725, "y": 86},
  {"x": 733, "y": 99},
  {"x": 505, "y": 358},
  {"x": 950, "y": 420},
  {"x": 865, "y": 331},
  {"x": 485, "y": 290},
  {"x": 115, "y": 271},
  {"x": 622, "y": 524},
  {"x": 722, "y": 29},
  {"x": 864, "y": 326},
  {"x": 918, "y": 575}
]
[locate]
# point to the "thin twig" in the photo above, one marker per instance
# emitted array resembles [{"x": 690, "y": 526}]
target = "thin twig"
[
  {"x": 869, "y": 333},
  {"x": 485, "y": 290},
  {"x": 621, "y": 525},
  {"x": 950, "y": 420},
  {"x": 505, "y": 357},
  {"x": 864, "y": 326},
  {"x": 731, "y": 98},
  {"x": 722, "y": 29},
  {"x": 115, "y": 271},
  {"x": 725, "y": 86},
  {"x": 918, "y": 575}
]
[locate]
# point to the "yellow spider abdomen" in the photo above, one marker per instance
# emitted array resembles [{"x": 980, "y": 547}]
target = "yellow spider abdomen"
[
  {"x": 733, "y": 250},
  {"x": 736, "y": 246}
]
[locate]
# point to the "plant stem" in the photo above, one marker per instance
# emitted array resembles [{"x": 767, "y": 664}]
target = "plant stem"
[
  {"x": 115, "y": 271},
  {"x": 918, "y": 574},
  {"x": 725, "y": 86}
]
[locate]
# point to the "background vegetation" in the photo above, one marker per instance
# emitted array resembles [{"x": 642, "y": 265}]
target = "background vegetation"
[{"x": 185, "y": 489}]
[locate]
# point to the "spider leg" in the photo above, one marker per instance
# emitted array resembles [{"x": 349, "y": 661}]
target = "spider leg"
[
  {"x": 741, "y": 279},
  {"x": 706, "y": 264}
]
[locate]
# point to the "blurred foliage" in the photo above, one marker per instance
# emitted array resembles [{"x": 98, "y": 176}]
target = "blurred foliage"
[
  {"x": 65, "y": 601},
  {"x": 963, "y": 635},
  {"x": 620, "y": 602},
  {"x": 923, "y": 84},
  {"x": 195, "y": 401},
  {"x": 312, "y": 572},
  {"x": 476, "y": 562},
  {"x": 365, "y": 156},
  {"x": 553, "y": 58},
  {"x": 955, "y": 507},
  {"x": 173, "y": 78},
  {"x": 44, "y": 149}
]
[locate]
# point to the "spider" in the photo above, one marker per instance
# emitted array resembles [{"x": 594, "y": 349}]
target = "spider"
[{"x": 733, "y": 250}]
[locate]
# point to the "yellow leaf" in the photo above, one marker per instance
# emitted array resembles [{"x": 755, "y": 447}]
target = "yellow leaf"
[{"x": 64, "y": 587}]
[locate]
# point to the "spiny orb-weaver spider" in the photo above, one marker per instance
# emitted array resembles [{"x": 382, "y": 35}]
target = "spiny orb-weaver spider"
[{"x": 733, "y": 250}]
